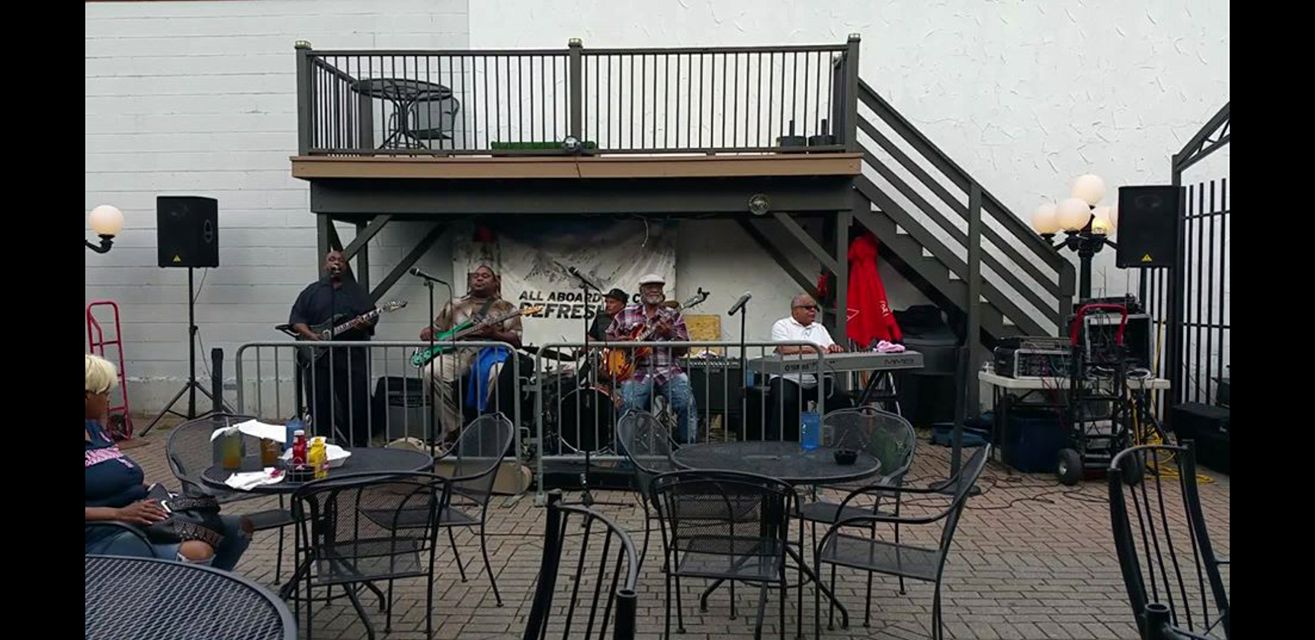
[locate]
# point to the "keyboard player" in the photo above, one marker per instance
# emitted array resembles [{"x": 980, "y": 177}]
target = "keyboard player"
[{"x": 789, "y": 394}]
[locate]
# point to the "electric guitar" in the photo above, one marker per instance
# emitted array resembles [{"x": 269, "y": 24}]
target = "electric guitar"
[
  {"x": 340, "y": 324},
  {"x": 422, "y": 357},
  {"x": 620, "y": 363}
]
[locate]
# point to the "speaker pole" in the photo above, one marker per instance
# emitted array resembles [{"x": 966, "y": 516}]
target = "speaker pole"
[
  {"x": 191, "y": 346},
  {"x": 191, "y": 386}
]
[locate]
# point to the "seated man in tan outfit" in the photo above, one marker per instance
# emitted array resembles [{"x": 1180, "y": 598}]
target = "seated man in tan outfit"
[{"x": 481, "y": 305}]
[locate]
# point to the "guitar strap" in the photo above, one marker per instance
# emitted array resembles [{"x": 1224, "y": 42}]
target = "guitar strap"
[{"x": 483, "y": 312}]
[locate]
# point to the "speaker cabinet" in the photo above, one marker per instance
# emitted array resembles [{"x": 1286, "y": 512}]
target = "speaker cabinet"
[{"x": 187, "y": 229}]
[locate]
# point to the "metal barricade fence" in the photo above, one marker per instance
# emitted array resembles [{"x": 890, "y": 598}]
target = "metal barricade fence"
[
  {"x": 577, "y": 404},
  {"x": 331, "y": 383}
]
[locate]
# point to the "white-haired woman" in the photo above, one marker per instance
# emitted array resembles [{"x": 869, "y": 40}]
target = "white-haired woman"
[{"x": 115, "y": 491}]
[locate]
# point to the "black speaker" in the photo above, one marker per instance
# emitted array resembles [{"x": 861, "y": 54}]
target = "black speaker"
[
  {"x": 187, "y": 230},
  {"x": 1147, "y": 226},
  {"x": 1209, "y": 427}
]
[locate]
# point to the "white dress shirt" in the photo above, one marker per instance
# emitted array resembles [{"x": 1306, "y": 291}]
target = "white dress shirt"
[{"x": 789, "y": 329}]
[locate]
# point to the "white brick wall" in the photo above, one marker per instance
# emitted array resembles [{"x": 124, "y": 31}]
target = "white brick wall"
[{"x": 196, "y": 98}]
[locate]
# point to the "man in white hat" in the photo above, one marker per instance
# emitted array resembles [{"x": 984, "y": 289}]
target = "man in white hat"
[{"x": 650, "y": 321}]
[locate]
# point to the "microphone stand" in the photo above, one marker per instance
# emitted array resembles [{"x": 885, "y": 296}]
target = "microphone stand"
[
  {"x": 429, "y": 387},
  {"x": 586, "y": 498},
  {"x": 744, "y": 375}
]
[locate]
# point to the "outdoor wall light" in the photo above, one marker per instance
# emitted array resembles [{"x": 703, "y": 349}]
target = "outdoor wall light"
[{"x": 107, "y": 222}]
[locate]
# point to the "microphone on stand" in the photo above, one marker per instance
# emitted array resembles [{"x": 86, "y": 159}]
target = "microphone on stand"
[
  {"x": 583, "y": 278},
  {"x": 739, "y": 304},
  {"x": 415, "y": 271}
]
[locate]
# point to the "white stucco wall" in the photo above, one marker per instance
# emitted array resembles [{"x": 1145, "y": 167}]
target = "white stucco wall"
[{"x": 1025, "y": 95}]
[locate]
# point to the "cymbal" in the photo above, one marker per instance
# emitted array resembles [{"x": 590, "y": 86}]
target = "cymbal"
[{"x": 550, "y": 353}]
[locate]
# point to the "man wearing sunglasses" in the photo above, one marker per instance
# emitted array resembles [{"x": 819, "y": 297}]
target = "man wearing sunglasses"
[{"x": 784, "y": 399}]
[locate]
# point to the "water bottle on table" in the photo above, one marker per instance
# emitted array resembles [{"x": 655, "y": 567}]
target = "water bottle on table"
[
  {"x": 290, "y": 434},
  {"x": 810, "y": 428}
]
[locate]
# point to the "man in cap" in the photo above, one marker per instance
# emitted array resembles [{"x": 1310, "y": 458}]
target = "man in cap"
[
  {"x": 613, "y": 302},
  {"x": 653, "y": 321}
]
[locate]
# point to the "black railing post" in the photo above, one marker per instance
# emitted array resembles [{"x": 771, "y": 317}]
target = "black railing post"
[
  {"x": 1067, "y": 286},
  {"x": 575, "y": 48},
  {"x": 973, "y": 307},
  {"x": 217, "y": 380},
  {"x": 304, "y": 98},
  {"x": 851, "y": 94}
]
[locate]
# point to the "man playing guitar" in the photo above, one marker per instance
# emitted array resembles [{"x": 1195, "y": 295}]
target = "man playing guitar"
[
  {"x": 339, "y": 376},
  {"x": 482, "y": 301},
  {"x": 651, "y": 320}
]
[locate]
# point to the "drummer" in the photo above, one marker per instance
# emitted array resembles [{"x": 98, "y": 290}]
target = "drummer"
[{"x": 613, "y": 302}]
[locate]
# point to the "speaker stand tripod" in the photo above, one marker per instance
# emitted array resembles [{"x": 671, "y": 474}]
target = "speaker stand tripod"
[{"x": 191, "y": 386}]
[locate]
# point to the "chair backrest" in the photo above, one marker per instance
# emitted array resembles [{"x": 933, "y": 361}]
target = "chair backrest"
[
  {"x": 433, "y": 118},
  {"x": 602, "y": 585},
  {"x": 647, "y": 443},
  {"x": 473, "y": 461},
  {"x": 1161, "y": 538},
  {"x": 885, "y": 436},
  {"x": 967, "y": 477},
  {"x": 190, "y": 452},
  {"x": 372, "y": 523},
  {"x": 723, "y": 512}
]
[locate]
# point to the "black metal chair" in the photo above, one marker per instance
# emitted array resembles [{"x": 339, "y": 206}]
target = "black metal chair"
[
  {"x": 431, "y": 117},
  {"x": 889, "y": 438},
  {"x": 725, "y": 525},
  {"x": 648, "y": 445},
  {"x": 190, "y": 452},
  {"x": 868, "y": 553},
  {"x": 357, "y": 529},
  {"x": 472, "y": 465},
  {"x": 618, "y": 554},
  {"x": 1169, "y": 565}
]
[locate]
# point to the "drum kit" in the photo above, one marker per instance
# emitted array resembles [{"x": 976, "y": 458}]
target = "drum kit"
[
  {"x": 580, "y": 409},
  {"x": 581, "y": 400}
]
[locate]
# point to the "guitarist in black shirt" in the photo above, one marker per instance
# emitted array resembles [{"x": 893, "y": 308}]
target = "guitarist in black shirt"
[{"x": 337, "y": 381}]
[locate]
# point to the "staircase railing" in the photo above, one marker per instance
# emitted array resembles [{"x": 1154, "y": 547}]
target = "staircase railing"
[{"x": 928, "y": 195}]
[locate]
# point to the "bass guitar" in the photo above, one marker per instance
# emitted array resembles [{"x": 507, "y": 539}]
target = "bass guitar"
[
  {"x": 328, "y": 329},
  {"x": 422, "y": 357}
]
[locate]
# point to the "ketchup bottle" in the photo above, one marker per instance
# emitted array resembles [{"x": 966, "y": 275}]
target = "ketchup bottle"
[{"x": 299, "y": 449}]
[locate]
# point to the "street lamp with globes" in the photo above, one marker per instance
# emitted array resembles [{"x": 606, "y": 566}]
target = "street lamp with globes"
[{"x": 1087, "y": 225}]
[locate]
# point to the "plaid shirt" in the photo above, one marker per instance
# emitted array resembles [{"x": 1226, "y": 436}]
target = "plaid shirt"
[{"x": 661, "y": 365}]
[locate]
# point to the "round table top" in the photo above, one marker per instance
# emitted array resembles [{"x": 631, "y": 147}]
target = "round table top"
[
  {"x": 776, "y": 459},
  {"x": 150, "y": 598},
  {"x": 362, "y": 460},
  {"x": 401, "y": 89}
]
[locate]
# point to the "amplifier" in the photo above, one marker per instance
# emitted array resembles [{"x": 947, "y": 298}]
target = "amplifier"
[
  {"x": 1034, "y": 342},
  {"x": 1024, "y": 362}
]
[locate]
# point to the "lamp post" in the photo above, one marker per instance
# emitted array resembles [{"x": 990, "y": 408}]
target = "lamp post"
[
  {"x": 1086, "y": 224},
  {"x": 107, "y": 222}
]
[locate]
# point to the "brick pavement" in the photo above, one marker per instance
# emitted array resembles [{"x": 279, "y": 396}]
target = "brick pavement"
[{"x": 1031, "y": 560}]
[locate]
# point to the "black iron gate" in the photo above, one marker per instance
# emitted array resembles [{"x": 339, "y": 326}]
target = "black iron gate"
[{"x": 1190, "y": 302}]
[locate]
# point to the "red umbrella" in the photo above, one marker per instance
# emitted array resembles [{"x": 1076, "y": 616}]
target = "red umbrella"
[{"x": 871, "y": 319}]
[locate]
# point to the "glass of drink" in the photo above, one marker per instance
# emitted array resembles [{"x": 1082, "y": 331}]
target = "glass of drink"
[{"x": 269, "y": 452}]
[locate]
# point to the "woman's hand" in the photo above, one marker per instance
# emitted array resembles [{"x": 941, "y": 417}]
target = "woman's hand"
[{"x": 143, "y": 512}]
